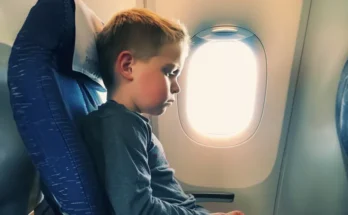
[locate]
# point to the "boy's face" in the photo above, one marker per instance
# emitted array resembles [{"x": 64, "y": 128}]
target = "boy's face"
[{"x": 155, "y": 81}]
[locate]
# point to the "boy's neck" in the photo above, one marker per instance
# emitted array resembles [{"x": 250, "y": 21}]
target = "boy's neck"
[
  {"x": 123, "y": 99},
  {"x": 120, "y": 100}
]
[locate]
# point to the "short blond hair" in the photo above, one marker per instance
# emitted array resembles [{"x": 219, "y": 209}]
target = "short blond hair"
[{"x": 140, "y": 31}]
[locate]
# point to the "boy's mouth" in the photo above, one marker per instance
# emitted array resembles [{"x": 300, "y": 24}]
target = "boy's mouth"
[{"x": 169, "y": 102}]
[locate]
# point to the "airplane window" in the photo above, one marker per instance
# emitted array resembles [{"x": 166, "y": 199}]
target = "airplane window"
[{"x": 223, "y": 86}]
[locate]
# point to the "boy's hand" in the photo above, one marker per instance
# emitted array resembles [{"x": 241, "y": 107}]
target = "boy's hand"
[
  {"x": 229, "y": 213},
  {"x": 235, "y": 213}
]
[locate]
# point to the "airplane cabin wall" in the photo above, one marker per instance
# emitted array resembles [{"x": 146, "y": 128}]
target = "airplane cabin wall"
[
  {"x": 107, "y": 8},
  {"x": 315, "y": 178},
  {"x": 12, "y": 17}
]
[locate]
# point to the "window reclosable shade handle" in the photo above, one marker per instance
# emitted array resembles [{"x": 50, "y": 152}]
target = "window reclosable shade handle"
[{"x": 224, "y": 32}]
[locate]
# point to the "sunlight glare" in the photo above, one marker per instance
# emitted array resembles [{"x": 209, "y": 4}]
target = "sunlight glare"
[{"x": 221, "y": 89}]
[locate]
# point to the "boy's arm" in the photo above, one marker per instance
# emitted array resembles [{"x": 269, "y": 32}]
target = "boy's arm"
[{"x": 127, "y": 174}]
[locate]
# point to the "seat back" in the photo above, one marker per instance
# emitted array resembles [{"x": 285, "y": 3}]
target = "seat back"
[
  {"x": 47, "y": 99},
  {"x": 342, "y": 110}
]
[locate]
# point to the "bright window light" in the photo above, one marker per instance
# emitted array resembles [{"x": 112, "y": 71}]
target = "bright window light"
[{"x": 221, "y": 88}]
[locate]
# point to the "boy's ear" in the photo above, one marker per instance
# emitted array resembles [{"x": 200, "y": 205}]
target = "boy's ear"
[{"x": 124, "y": 65}]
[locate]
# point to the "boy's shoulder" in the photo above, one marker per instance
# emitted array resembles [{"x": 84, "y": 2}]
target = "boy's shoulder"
[{"x": 115, "y": 114}]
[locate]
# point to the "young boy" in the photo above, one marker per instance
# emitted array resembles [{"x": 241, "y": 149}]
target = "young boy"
[{"x": 141, "y": 55}]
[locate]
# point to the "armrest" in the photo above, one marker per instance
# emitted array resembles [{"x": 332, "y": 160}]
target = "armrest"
[{"x": 214, "y": 197}]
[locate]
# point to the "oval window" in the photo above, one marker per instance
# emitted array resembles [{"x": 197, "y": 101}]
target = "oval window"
[{"x": 223, "y": 87}]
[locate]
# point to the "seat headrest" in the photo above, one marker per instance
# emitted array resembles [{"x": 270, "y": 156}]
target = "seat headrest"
[
  {"x": 342, "y": 110},
  {"x": 88, "y": 25}
]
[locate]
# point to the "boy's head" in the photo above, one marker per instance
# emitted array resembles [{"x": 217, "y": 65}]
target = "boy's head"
[{"x": 141, "y": 55}]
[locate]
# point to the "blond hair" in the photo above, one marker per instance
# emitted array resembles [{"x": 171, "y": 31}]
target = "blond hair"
[{"x": 138, "y": 30}]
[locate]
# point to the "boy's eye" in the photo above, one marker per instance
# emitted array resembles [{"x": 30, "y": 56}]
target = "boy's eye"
[
  {"x": 170, "y": 73},
  {"x": 167, "y": 74}
]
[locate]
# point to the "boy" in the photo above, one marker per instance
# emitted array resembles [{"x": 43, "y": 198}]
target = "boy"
[{"x": 141, "y": 55}]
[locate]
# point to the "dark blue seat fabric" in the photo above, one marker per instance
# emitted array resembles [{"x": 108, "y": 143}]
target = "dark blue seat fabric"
[
  {"x": 47, "y": 99},
  {"x": 342, "y": 110}
]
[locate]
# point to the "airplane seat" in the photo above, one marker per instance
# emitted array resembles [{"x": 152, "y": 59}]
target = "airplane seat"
[
  {"x": 342, "y": 110},
  {"x": 47, "y": 98}
]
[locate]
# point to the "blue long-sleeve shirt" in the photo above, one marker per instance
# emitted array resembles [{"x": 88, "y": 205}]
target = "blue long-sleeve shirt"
[{"x": 131, "y": 165}]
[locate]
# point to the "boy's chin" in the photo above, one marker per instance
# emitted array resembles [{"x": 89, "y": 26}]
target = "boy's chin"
[{"x": 158, "y": 111}]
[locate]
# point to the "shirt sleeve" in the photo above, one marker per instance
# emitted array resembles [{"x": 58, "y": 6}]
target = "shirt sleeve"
[{"x": 127, "y": 174}]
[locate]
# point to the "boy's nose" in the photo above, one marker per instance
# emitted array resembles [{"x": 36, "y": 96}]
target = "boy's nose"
[{"x": 175, "y": 88}]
